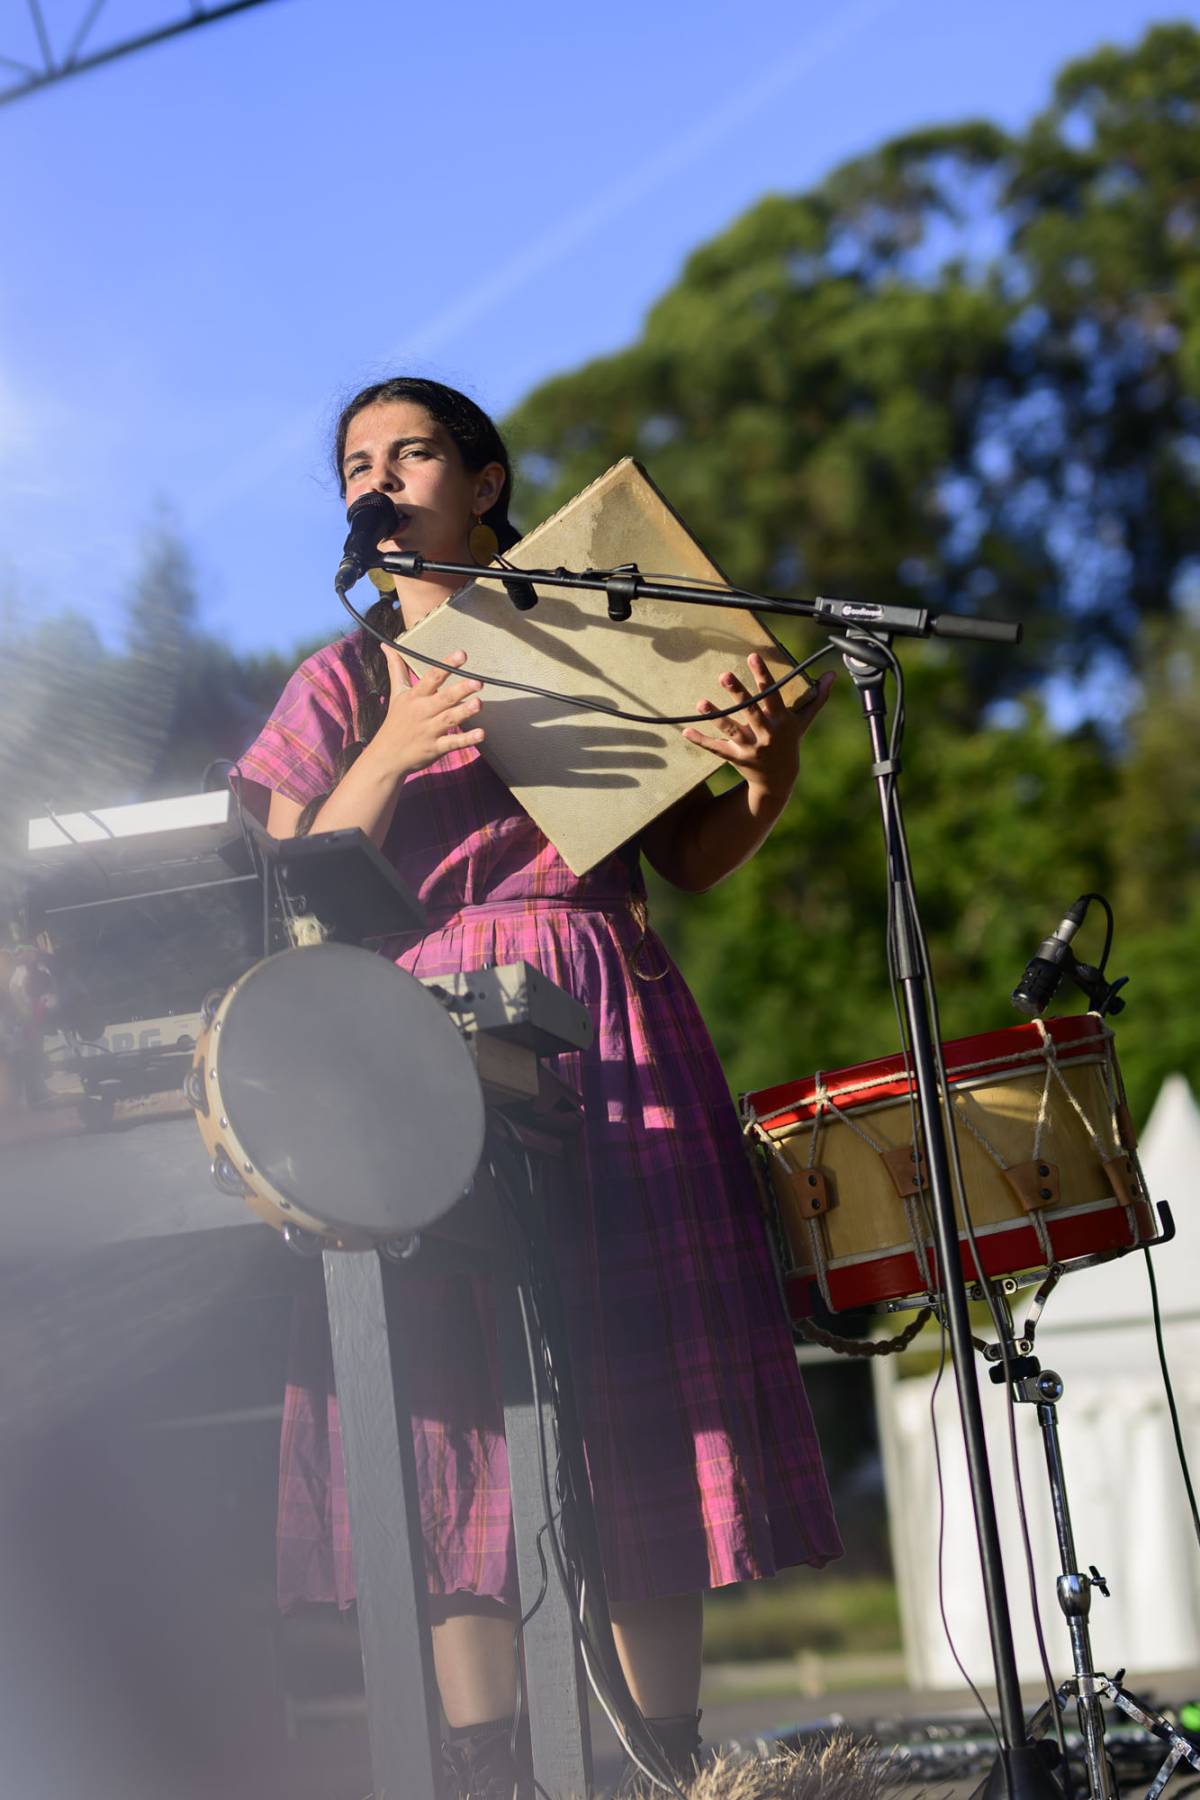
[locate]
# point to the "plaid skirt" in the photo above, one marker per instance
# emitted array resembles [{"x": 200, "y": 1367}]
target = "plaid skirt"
[
  {"x": 700, "y": 1444},
  {"x": 703, "y": 1460}
]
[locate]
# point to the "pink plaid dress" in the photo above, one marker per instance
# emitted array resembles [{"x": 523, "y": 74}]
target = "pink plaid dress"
[{"x": 703, "y": 1458}]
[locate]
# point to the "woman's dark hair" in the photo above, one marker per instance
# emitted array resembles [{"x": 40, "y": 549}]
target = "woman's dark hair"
[{"x": 478, "y": 443}]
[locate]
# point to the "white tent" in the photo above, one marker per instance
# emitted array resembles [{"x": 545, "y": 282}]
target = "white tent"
[{"x": 1127, "y": 1498}]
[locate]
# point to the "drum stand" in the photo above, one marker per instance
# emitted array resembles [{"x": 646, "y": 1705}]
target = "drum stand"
[{"x": 1014, "y": 1361}]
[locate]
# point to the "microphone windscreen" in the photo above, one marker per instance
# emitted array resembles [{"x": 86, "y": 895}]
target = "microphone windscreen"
[{"x": 372, "y": 503}]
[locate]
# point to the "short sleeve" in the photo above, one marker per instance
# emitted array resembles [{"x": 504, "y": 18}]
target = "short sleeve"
[{"x": 296, "y": 752}]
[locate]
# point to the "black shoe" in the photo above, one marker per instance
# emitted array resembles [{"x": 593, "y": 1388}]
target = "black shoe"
[
  {"x": 679, "y": 1739},
  {"x": 479, "y": 1764}
]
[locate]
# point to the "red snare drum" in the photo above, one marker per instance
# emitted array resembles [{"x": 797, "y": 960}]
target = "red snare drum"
[{"x": 1048, "y": 1156}]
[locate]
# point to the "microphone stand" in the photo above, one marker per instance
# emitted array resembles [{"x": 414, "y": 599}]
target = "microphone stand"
[
  {"x": 1021, "y": 1771},
  {"x": 862, "y": 633},
  {"x": 626, "y": 584}
]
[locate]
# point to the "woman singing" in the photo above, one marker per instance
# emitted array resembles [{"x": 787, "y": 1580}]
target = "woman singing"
[{"x": 703, "y": 1460}]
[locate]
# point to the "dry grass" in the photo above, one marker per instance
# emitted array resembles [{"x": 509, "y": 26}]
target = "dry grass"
[{"x": 841, "y": 1769}]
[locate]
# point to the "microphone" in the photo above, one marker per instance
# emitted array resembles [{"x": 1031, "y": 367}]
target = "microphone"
[
  {"x": 1052, "y": 959},
  {"x": 371, "y": 517}
]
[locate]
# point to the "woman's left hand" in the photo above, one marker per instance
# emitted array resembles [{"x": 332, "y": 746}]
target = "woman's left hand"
[{"x": 764, "y": 740}]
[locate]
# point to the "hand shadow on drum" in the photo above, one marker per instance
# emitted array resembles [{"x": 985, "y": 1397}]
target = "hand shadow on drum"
[{"x": 585, "y": 751}]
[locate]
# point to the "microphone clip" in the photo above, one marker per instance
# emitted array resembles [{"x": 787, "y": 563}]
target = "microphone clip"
[
  {"x": 622, "y": 586},
  {"x": 1102, "y": 994}
]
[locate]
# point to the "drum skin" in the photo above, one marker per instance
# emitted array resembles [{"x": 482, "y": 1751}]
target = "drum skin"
[
  {"x": 863, "y": 1230},
  {"x": 336, "y": 1091}
]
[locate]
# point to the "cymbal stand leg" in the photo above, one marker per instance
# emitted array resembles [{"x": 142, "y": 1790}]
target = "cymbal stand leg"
[
  {"x": 1074, "y": 1589},
  {"x": 1043, "y": 1388},
  {"x": 1032, "y": 1385}
]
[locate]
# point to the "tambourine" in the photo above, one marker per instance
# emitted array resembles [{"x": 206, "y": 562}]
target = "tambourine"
[{"x": 337, "y": 1098}]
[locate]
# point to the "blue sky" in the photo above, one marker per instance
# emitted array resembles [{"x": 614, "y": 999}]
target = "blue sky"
[{"x": 208, "y": 244}]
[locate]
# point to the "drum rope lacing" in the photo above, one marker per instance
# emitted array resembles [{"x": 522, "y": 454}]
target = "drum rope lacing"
[
  {"x": 755, "y": 1120},
  {"x": 755, "y": 1124},
  {"x": 830, "y": 1340},
  {"x": 912, "y": 1213},
  {"x": 816, "y": 1334},
  {"x": 1054, "y": 1073},
  {"x": 1034, "y": 1218},
  {"x": 911, "y": 1202}
]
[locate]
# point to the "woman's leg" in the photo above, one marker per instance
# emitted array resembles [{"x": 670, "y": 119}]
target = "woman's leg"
[
  {"x": 475, "y": 1664},
  {"x": 476, "y": 1670},
  {"x": 659, "y": 1643}
]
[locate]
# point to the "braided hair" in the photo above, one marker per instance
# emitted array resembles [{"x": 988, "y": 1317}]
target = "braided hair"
[{"x": 479, "y": 443}]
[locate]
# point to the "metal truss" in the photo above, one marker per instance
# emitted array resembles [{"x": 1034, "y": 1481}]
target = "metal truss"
[{"x": 19, "y": 77}]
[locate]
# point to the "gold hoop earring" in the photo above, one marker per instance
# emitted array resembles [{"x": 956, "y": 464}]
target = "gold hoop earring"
[
  {"x": 384, "y": 580},
  {"x": 483, "y": 544}
]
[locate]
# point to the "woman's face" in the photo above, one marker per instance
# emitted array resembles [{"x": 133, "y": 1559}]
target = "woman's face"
[{"x": 395, "y": 448}]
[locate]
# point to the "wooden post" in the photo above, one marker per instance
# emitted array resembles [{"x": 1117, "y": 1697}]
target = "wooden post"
[{"x": 403, "y": 1717}]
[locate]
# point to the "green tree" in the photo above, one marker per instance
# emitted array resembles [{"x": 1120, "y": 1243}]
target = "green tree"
[
  {"x": 1153, "y": 826},
  {"x": 66, "y": 741},
  {"x": 193, "y": 699},
  {"x": 964, "y": 369},
  {"x": 1007, "y": 825},
  {"x": 85, "y": 724}
]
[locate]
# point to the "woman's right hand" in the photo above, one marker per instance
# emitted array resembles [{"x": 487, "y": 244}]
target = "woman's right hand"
[{"x": 429, "y": 719}]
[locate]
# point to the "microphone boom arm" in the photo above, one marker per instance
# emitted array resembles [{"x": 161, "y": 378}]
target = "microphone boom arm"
[{"x": 626, "y": 585}]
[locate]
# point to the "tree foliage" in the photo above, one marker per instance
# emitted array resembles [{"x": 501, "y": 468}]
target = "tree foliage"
[
  {"x": 86, "y": 724},
  {"x": 965, "y": 368},
  {"x": 1008, "y": 824}
]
